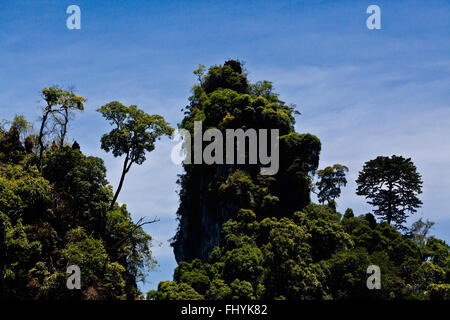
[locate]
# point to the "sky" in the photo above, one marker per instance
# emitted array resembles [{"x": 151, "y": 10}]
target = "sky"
[{"x": 363, "y": 92}]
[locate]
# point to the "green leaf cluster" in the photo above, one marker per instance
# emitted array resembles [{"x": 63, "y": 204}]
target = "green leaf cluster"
[{"x": 59, "y": 216}]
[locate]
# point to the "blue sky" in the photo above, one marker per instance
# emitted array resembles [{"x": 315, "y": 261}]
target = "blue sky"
[{"x": 363, "y": 92}]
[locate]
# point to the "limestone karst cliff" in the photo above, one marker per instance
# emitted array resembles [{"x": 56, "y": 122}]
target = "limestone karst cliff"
[{"x": 212, "y": 194}]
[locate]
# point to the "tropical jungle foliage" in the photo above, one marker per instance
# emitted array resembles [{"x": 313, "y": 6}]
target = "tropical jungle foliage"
[
  {"x": 56, "y": 210},
  {"x": 274, "y": 243},
  {"x": 241, "y": 235}
]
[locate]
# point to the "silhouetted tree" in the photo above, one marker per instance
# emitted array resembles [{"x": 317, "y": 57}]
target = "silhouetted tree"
[
  {"x": 75, "y": 146},
  {"x": 371, "y": 220},
  {"x": 331, "y": 179},
  {"x": 391, "y": 185}
]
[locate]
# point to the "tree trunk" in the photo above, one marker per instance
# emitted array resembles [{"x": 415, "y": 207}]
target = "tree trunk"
[
  {"x": 64, "y": 128},
  {"x": 389, "y": 213},
  {"x": 41, "y": 144},
  {"x": 122, "y": 178}
]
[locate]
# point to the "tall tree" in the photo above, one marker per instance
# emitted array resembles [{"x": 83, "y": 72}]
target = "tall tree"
[
  {"x": 392, "y": 185},
  {"x": 331, "y": 179},
  {"x": 135, "y": 133},
  {"x": 68, "y": 104},
  {"x": 59, "y": 103}
]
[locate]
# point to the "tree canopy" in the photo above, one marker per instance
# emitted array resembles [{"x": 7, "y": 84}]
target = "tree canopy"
[
  {"x": 242, "y": 235},
  {"x": 211, "y": 194},
  {"x": 55, "y": 211},
  {"x": 315, "y": 254},
  {"x": 392, "y": 185},
  {"x": 135, "y": 133},
  {"x": 331, "y": 179},
  {"x": 246, "y": 236},
  {"x": 59, "y": 105}
]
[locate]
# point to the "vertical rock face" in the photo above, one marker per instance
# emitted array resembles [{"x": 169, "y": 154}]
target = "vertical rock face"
[
  {"x": 212, "y": 194},
  {"x": 199, "y": 235},
  {"x": 200, "y": 220}
]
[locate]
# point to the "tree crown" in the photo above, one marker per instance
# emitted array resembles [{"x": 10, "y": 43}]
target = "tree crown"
[
  {"x": 135, "y": 131},
  {"x": 391, "y": 184}
]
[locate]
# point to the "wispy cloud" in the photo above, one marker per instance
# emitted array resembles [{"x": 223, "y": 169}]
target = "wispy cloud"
[{"x": 362, "y": 111}]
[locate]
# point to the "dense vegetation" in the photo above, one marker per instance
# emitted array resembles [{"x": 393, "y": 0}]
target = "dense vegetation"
[
  {"x": 57, "y": 209},
  {"x": 247, "y": 236},
  {"x": 224, "y": 99},
  {"x": 242, "y": 235}
]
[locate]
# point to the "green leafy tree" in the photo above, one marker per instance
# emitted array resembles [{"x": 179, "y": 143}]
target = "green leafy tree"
[
  {"x": 392, "y": 185},
  {"x": 439, "y": 291},
  {"x": 69, "y": 103},
  {"x": 22, "y": 125},
  {"x": 135, "y": 133},
  {"x": 11, "y": 148},
  {"x": 60, "y": 103},
  {"x": 13, "y": 143},
  {"x": 331, "y": 179},
  {"x": 58, "y": 216}
]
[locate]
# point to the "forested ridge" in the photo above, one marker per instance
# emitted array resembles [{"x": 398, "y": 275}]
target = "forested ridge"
[
  {"x": 57, "y": 209},
  {"x": 241, "y": 235}
]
